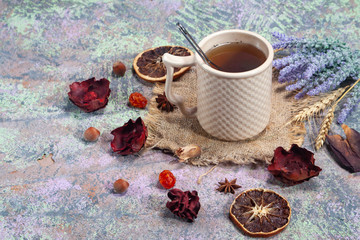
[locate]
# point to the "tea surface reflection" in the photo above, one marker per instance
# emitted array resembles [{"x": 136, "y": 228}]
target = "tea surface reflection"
[{"x": 236, "y": 57}]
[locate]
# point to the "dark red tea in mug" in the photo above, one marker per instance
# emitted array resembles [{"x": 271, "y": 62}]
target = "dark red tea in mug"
[{"x": 236, "y": 57}]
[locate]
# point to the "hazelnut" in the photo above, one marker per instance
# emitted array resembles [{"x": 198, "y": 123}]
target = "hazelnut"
[
  {"x": 91, "y": 134},
  {"x": 120, "y": 185},
  {"x": 119, "y": 68}
]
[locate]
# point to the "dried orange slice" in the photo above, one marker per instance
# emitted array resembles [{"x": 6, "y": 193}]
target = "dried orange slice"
[
  {"x": 148, "y": 64},
  {"x": 260, "y": 212}
]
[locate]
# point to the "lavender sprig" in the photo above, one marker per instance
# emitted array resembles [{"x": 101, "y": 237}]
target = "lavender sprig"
[
  {"x": 307, "y": 84},
  {"x": 336, "y": 78},
  {"x": 282, "y": 37},
  {"x": 283, "y": 62},
  {"x": 318, "y": 66},
  {"x": 308, "y": 44},
  {"x": 351, "y": 103},
  {"x": 292, "y": 72},
  {"x": 324, "y": 60}
]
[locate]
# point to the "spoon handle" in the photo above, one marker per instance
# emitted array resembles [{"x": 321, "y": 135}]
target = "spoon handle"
[{"x": 195, "y": 45}]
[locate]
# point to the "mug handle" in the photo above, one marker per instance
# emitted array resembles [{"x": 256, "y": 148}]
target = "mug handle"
[{"x": 170, "y": 62}]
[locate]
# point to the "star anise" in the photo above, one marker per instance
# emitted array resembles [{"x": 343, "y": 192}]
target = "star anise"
[
  {"x": 227, "y": 186},
  {"x": 164, "y": 104}
]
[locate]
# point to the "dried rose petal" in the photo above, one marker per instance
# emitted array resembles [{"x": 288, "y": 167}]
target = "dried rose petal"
[
  {"x": 294, "y": 166},
  {"x": 347, "y": 151},
  {"x": 184, "y": 204},
  {"x": 91, "y": 94},
  {"x": 129, "y": 138}
]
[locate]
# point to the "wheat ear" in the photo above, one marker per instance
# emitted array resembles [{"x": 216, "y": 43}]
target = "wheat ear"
[
  {"x": 324, "y": 128},
  {"x": 318, "y": 107},
  {"x": 325, "y": 125}
]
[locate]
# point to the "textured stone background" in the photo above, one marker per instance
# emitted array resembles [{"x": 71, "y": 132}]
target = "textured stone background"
[{"x": 47, "y": 45}]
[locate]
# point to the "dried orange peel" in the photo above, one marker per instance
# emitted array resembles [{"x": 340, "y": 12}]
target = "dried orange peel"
[
  {"x": 260, "y": 212},
  {"x": 148, "y": 64}
]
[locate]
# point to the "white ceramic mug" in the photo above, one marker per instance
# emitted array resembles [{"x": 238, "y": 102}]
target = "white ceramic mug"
[{"x": 230, "y": 106}]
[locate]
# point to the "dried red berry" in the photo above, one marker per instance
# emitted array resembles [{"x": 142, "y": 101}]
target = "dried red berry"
[
  {"x": 167, "y": 179},
  {"x": 137, "y": 100},
  {"x": 129, "y": 138},
  {"x": 184, "y": 204},
  {"x": 119, "y": 68},
  {"x": 294, "y": 166},
  {"x": 91, "y": 94}
]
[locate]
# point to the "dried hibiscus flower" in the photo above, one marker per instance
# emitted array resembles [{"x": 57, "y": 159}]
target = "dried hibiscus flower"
[
  {"x": 184, "y": 204},
  {"x": 294, "y": 166},
  {"x": 346, "y": 151},
  {"x": 91, "y": 94},
  {"x": 129, "y": 138}
]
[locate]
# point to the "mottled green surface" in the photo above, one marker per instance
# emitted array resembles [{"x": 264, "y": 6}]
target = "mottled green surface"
[{"x": 47, "y": 45}]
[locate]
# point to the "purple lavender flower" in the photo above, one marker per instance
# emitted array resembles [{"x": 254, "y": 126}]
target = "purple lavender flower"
[
  {"x": 345, "y": 111},
  {"x": 293, "y": 58},
  {"x": 292, "y": 72},
  {"x": 301, "y": 94},
  {"x": 351, "y": 103},
  {"x": 288, "y": 42},
  {"x": 308, "y": 84},
  {"x": 285, "y": 44},
  {"x": 282, "y": 37},
  {"x": 282, "y": 62},
  {"x": 318, "y": 65},
  {"x": 324, "y": 61},
  {"x": 296, "y": 86},
  {"x": 308, "y": 44},
  {"x": 336, "y": 79}
]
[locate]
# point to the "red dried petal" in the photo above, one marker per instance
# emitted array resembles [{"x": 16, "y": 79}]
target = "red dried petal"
[
  {"x": 346, "y": 151},
  {"x": 91, "y": 94},
  {"x": 294, "y": 166},
  {"x": 129, "y": 138},
  {"x": 184, "y": 204}
]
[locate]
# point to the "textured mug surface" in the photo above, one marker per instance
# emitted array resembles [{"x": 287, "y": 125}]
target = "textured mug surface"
[
  {"x": 233, "y": 109},
  {"x": 231, "y": 106}
]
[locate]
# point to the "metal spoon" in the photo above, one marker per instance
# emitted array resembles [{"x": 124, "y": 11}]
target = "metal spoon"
[{"x": 196, "y": 47}]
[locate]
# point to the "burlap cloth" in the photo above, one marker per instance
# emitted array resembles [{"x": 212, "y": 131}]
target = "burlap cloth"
[{"x": 172, "y": 130}]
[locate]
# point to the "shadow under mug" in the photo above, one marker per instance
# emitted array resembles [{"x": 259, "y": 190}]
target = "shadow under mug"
[{"x": 230, "y": 106}]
